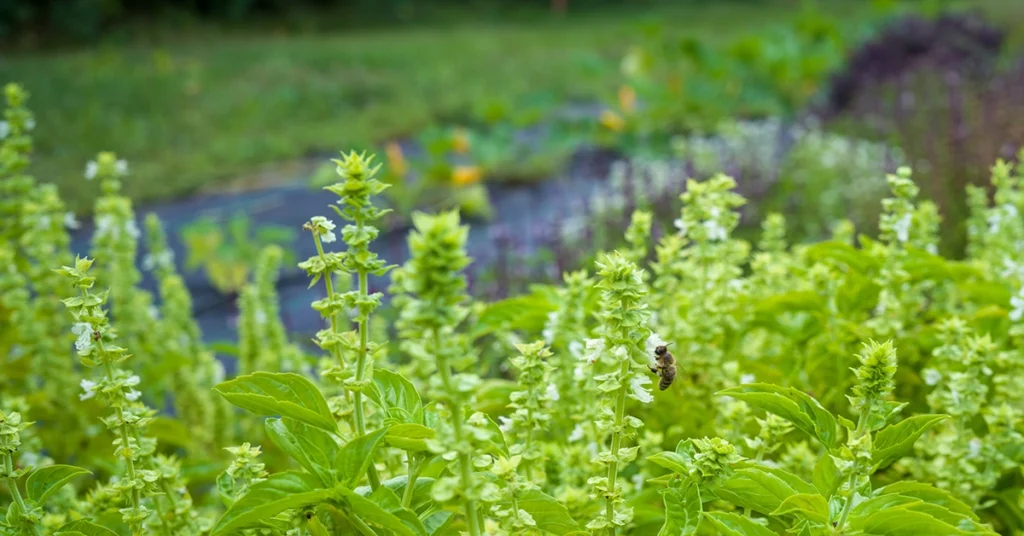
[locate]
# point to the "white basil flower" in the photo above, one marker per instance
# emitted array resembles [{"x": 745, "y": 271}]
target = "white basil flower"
[
  {"x": 716, "y": 231},
  {"x": 505, "y": 424},
  {"x": 70, "y": 221},
  {"x": 131, "y": 229},
  {"x": 747, "y": 378},
  {"x": 594, "y": 349},
  {"x": 653, "y": 342},
  {"x": 89, "y": 388},
  {"x": 638, "y": 390},
  {"x": 576, "y": 434},
  {"x": 931, "y": 376},
  {"x": 91, "y": 169},
  {"x": 5, "y": 129},
  {"x": 902, "y": 228},
  {"x": 121, "y": 167},
  {"x": 84, "y": 331},
  {"x": 1017, "y": 302},
  {"x": 132, "y": 395},
  {"x": 552, "y": 392}
]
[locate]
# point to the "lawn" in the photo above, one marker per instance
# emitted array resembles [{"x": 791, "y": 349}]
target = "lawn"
[{"x": 202, "y": 111}]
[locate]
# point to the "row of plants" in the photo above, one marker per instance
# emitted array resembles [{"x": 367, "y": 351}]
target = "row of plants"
[
  {"x": 849, "y": 386},
  {"x": 675, "y": 90}
]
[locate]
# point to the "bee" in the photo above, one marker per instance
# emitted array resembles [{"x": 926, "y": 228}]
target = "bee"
[{"x": 665, "y": 366}]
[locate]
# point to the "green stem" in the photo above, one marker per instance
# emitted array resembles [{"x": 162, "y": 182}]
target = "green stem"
[
  {"x": 362, "y": 526},
  {"x": 527, "y": 462},
  {"x": 136, "y": 499},
  {"x": 465, "y": 463},
  {"x": 359, "y": 417},
  {"x": 12, "y": 484},
  {"x": 862, "y": 422},
  {"x": 410, "y": 483},
  {"x": 360, "y": 367},
  {"x": 613, "y": 466}
]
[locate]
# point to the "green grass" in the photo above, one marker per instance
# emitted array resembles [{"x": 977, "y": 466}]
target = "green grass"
[{"x": 208, "y": 110}]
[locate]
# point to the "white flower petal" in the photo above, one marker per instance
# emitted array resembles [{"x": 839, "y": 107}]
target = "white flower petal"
[
  {"x": 638, "y": 390},
  {"x": 91, "y": 168},
  {"x": 552, "y": 392},
  {"x": 653, "y": 342}
]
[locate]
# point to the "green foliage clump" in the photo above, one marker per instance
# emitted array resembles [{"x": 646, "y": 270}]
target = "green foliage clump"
[{"x": 849, "y": 386}]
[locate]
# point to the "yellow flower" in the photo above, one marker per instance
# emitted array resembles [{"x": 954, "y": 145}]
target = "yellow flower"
[
  {"x": 460, "y": 141},
  {"x": 627, "y": 98},
  {"x": 612, "y": 121},
  {"x": 396, "y": 160},
  {"x": 466, "y": 175}
]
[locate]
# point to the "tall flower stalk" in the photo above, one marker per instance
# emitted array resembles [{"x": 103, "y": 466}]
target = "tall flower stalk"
[
  {"x": 623, "y": 350},
  {"x": 97, "y": 348},
  {"x": 431, "y": 295},
  {"x": 355, "y": 374}
]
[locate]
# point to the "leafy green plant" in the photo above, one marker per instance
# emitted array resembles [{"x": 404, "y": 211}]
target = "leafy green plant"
[
  {"x": 438, "y": 414},
  {"x": 226, "y": 254}
]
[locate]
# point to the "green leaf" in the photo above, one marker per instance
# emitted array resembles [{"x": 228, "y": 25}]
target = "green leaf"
[
  {"x": 85, "y": 528},
  {"x": 396, "y": 396},
  {"x": 46, "y": 481},
  {"x": 528, "y": 312},
  {"x": 672, "y": 461},
  {"x": 420, "y": 493},
  {"x": 437, "y": 522},
  {"x": 809, "y": 506},
  {"x": 929, "y": 494},
  {"x": 730, "y": 524},
  {"x": 314, "y": 449},
  {"x": 411, "y": 437},
  {"x": 902, "y": 521},
  {"x": 370, "y": 512},
  {"x": 795, "y": 406},
  {"x": 759, "y": 489},
  {"x": 893, "y": 442},
  {"x": 355, "y": 457},
  {"x": 496, "y": 445},
  {"x": 279, "y": 393},
  {"x": 550, "y": 515},
  {"x": 388, "y": 500},
  {"x": 264, "y": 500},
  {"x": 682, "y": 510},
  {"x": 842, "y": 253},
  {"x": 826, "y": 476}
]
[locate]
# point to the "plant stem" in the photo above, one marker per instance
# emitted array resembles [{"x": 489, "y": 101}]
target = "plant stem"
[
  {"x": 527, "y": 462},
  {"x": 410, "y": 483},
  {"x": 123, "y": 429},
  {"x": 862, "y": 422},
  {"x": 613, "y": 466},
  {"x": 12, "y": 485},
  {"x": 465, "y": 463},
  {"x": 362, "y": 526},
  {"x": 360, "y": 367},
  {"x": 359, "y": 417}
]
